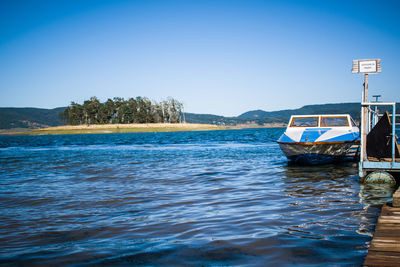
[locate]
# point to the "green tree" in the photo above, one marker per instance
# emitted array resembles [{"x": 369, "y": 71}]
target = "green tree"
[
  {"x": 117, "y": 110},
  {"x": 110, "y": 110},
  {"x": 118, "y": 115},
  {"x": 132, "y": 113}
]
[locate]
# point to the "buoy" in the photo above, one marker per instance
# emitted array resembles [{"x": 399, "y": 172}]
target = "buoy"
[{"x": 379, "y": 177}]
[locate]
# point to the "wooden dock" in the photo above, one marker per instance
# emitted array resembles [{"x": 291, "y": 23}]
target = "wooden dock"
[{"x": 385, "y": 245}]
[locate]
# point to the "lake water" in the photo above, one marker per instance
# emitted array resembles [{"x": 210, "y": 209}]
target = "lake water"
[{"x": 223, "y": 198}]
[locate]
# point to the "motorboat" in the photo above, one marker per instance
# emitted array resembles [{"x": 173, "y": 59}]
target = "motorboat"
[{"x": 315, "y": 139}]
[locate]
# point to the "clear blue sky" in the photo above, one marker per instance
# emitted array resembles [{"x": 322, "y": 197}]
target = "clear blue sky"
[{"x": 218, "y": 57}]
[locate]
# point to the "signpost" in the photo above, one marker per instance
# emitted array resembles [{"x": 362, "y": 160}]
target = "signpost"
[{"x": 365, "y": 66}]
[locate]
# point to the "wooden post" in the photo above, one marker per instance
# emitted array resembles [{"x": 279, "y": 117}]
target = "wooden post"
[
  {"x": 365, "y": 119},
  {"x": 365, "y": 66},
  {"x": 396, "y": 198}
]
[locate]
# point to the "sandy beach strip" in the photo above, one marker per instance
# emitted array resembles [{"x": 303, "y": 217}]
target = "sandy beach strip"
[
  {"x": 125, "y": 128},
  {"x": 133, "y": 128}
]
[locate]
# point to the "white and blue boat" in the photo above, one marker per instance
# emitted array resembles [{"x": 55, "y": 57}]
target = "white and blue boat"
[{"x": 314, "y": 139}]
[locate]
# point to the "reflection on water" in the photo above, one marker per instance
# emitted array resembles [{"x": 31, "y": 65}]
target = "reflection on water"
[
  {"x": 178, "y": 199},
  {"x": 376, "y": 194}
]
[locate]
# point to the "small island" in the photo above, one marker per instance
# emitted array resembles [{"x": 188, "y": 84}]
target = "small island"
[{"x": 118, "y": 115}]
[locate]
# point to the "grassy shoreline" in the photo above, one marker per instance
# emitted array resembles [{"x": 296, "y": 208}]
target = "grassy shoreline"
[
  {"x": 122, "y": 128},
  {"x": 132, "y": 128}
]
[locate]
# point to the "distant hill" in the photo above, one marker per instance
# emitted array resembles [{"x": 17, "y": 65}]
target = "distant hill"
[
  {"x": 39, "y": 118},
  {"x": 31, "y": 118},
  {"x": 212, "y": 119},
  {"x": 283, "y": 115}
]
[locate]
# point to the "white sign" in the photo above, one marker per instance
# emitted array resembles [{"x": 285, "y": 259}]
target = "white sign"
[{"x": 367, "y": 66}]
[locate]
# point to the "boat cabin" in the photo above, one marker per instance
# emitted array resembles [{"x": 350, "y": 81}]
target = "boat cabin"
[
  {"x": 320, "y": 128},
  {"x": 321, "y": 121}
]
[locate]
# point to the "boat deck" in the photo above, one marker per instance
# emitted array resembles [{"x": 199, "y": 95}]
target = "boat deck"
[
  {"x": 372, "y": 159},
  {"x": 383, "y": 164}
]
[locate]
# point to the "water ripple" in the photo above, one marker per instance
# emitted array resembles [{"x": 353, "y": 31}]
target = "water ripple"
[{"x": 178, "y": 199}]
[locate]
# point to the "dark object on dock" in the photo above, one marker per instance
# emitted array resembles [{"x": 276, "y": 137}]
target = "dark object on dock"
[
  {"x": 385, "y": 246},
  {"x": 379, "y": 140}
]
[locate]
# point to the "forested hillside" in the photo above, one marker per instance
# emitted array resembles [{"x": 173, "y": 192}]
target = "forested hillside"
[
  {"x": 212, "y": 119},
  {"x": 354, "y": 109},
  {"x": 29, "y": 117},
  {"x": 283, "y": 115}
]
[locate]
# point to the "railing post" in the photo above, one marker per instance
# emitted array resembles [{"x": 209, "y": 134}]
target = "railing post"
[
  {"x": 364, "y": 119},
  {"x": 362, "y": 147},
  {"x": 393, "y": 133}
]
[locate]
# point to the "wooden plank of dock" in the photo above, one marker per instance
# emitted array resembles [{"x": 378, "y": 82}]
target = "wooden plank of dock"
[{"x": 385, "y": 245}]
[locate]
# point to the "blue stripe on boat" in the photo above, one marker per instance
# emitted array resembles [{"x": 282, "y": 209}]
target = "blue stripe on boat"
[
  {"x": 285, "y": 139},
  {"x": 345, "y": 137},
  {"x": 310, "y": 135}
]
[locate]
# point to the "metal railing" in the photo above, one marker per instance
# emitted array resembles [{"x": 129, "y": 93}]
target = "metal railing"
[{"x": 370, "y": 119}]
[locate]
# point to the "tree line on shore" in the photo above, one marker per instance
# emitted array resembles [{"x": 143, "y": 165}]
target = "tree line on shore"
[{"x": 119, "y": 110}]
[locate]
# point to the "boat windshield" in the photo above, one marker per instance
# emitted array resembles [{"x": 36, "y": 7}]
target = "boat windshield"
[
  {"x": 304, "y": 122},
  {"x": 353, "y": 123},
  {"x": 334, "y": 121}
]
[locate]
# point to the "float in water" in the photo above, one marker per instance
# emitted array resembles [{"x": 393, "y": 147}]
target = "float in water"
[{"x": 314, "y": 139}]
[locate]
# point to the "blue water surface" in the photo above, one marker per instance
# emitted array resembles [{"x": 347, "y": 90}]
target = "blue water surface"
[{"x": 226, "y": 198}]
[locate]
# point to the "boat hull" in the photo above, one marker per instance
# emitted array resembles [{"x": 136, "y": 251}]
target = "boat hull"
[{"x": 317, "y": 153}]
